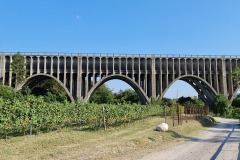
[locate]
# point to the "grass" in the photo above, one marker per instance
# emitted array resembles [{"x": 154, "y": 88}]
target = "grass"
[{"x": 123, "y": 142}]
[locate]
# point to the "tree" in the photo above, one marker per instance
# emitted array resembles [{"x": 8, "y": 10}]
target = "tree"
[
  {"x": 129, "y": 96},
  {"x": 102, "y": 95},
  {"x": 235, "y": 75},
  {"x": 166, "y": 101},
  {"x": 18, "y": 69},
  {"x": 182, "y": 100},
  {"x": 236, "y": 102},
  {"x": 50, "y": 85},
  {"x": 51, "y": 89},
  {"x": 190, "y": 100},
  {"x": 221, "y": 105}
]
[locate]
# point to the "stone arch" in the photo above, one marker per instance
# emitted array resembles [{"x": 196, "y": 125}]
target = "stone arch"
[
  {"x": 32, "y": 81},
  {"x": 205, "y": 91},
  {"x": 142, "y": 95}
]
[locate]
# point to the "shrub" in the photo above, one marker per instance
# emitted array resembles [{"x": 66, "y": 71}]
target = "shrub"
[
  {"x": 236, "y": 102},
  {"x": 222, "y": 106},
  {"x": 7, "y": 92},
  {"x": 236, "y": 113}
]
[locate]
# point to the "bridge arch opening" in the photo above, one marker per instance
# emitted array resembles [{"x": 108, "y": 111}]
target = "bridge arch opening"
[
  {"x": 123, "y": 80},
  {"x": 115, "y": 91},
  {"x": 191, "y": 86},
  {"x": 179, "y": 89},
  {"x": 34, "y": 81}
]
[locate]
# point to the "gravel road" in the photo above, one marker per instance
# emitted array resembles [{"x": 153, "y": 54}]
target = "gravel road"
[{"x": 221, "y": 142}]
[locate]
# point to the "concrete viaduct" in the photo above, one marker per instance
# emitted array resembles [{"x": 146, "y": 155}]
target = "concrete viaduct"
[{"x": 149, "y": 75}]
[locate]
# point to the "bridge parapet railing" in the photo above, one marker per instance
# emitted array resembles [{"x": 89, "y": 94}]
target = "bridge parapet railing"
[{"x": 124, "y": 55}]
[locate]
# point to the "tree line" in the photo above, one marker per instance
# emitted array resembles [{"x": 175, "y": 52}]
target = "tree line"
[{"x": 104, "y": 95}]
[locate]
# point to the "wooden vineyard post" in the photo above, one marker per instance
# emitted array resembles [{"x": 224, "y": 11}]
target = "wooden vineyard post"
[
  {"x": 165, "y": 114},
  {"x": 185, "y": 110},
  {"x": 195, "y": 111},
  {"x": 178, "y": 114},
  {"x": 104, "y": 118},
  {"x": 190, "y": 110},
  {"x": 172, "y": 115}
]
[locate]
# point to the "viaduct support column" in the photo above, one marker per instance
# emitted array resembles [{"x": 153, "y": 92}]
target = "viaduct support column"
[
  {"x": 79, "y": 78},
  {"x": 31, "y": 66},
  {"x": 230, "y": 82},
  {"x": 38, "y": 65},
  {"x": 10, "y": 73},
  {"x": 166, "y": 78},
  {"x": 146, "y": 79},
  {"x": 71, "y": 77},
  {"x": 139, "y": 72},
  {"x": 94, "y": 72},
  {"x": 58, "y": 59},
  {"x": 3, "y": 68},
  {"x": 223, "y": 79},
  {"x": 153, "y": 78},
  {"x": 64, "y": 72},
  {"x": 86, "y": 79},
  {"x": 45, "y": 65},
  {"x": 216, "y": 76},
  {"x": 160, "y": 79},
  {"x": 51, "y": 70}
]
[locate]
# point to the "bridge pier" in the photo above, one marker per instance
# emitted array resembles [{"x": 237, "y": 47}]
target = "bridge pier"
[
  {"x": 153, "y": 79},
  {"x": 224, "y": 80},
  {"x": 2, "y": 68}
]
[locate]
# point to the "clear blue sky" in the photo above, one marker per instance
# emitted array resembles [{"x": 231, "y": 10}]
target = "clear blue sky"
[{"x": 121, "y": 26}]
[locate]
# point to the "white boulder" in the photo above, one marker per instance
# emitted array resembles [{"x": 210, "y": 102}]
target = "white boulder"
[{"x": 162, "y": 127}]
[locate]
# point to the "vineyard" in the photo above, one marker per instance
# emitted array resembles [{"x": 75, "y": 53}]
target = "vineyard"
[
  {"x": 33, "y": 114},
  {"x": 22, "y": 113}
]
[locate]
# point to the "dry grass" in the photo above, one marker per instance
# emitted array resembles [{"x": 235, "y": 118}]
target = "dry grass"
[{"x": 124, "y": 142}]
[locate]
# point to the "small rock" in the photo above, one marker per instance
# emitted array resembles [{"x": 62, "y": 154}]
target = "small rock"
[{"x": 162, "y": 127}]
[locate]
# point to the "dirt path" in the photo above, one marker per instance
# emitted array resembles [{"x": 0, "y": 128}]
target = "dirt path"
[{"x": 218, "y": 142}]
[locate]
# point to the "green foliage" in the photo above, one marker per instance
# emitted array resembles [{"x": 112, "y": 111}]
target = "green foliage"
[
  {"x": 103, "y": 95},
  {"x": 183, "y": 100},
  {"x": 236, "y": 102},
  {"x": 51, "y": 85},
  {"x": 45, "y": 114},
  {"x": 18, "y": 69},
  {"x": 190, "y": 100},
  {"x": 235, "y": 75},
  {"x": 51, "y": 90},
  {"x": 58, "y": 97},
  {"x": 162, "y": 102},
  {"x": 126, "y": 96},
  {"x": 6, "y": 92},
  {"x": 20, "y": 111},
  {"x": 222, "y": 106},
  {"x": 166, "y": 101},
  {"x": 236, "y": 113}
]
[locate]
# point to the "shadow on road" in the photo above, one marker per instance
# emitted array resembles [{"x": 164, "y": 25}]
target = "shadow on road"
[
  {"x": 224, "y": 134},
  {"x": 222, "y": 144}
]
